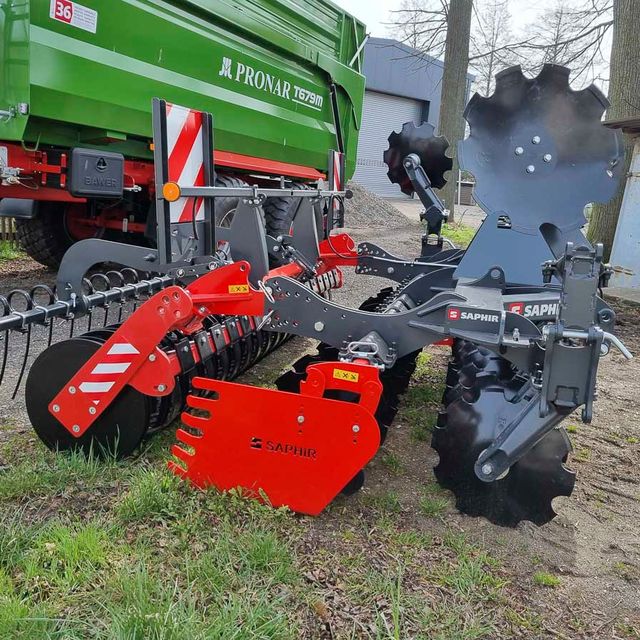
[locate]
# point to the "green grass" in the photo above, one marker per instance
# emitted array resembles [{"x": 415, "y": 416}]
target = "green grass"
[
  {"x": 422, "y": 400},
  {"x": 543, "y": 579},
  {"x": 460, "y": 234},
  {"x": 9, "y": 251},
  {"x": 392, "y": 462},
  {"x": 433, "y": 501}
]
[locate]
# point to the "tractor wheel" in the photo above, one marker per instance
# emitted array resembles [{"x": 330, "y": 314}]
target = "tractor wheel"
[
  {"x": 225, "y": 208},
  {"x": 47, "y": 237},
  {"x": 477, "y": 407},
  {"x": 279, "y": 214}
]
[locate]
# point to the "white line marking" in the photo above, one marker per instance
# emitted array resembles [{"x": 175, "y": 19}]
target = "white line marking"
[
  {"x": 123, "y": 349},
  {"x": 306, "y": 104},
  {"x": 96, "y": 387},
  {"x": 118, "y": 367}
]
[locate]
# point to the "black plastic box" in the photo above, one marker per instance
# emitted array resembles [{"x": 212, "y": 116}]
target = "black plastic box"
[{"x": 96, "y": 174}]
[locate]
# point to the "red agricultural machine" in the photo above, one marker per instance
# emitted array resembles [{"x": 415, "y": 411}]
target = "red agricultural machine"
[{"x": 521, "y": 308}]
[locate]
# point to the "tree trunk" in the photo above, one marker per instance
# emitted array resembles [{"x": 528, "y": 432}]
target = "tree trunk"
[
  {"x": 454, "y": 88},
  {"x": 624, "y": 95}
]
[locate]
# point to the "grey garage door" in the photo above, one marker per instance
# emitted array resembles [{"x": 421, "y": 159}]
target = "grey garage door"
[{"x": 382, "y": 114}]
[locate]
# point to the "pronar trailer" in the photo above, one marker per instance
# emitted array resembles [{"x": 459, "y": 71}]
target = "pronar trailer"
[{"x": 281, "y": 78}]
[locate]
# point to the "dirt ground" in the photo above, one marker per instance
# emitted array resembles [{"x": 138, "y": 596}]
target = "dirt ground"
[{"x": 591, "y": 550}]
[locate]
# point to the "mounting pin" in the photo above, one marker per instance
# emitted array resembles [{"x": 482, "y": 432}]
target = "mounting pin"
[
  {"x": 519, "y": 151},
  {"x": 548, "y": 157},
  {"x": 75, "y": 428},
  {"x": 56, "y": 408},
  {"x": 355, "y": 428},
  {"x": 536, "y": 140},
  {"x": 300, "y": 419},
  {"x": 92, "y": 411},
  {"x": 152, "y": 357},
  {"x": 72, "y": 390},
  {"x": 487, "y": 469},
  {"x": 319, "y": 326},
  {"x": 162, "y": 388},
  {"x": 531, "y": 169}
]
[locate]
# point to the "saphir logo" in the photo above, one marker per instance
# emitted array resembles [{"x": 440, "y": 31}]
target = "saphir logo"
[{"x": 283, "y": 448}]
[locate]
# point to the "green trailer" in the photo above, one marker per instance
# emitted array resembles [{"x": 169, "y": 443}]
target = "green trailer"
[{"x": 282, "y": 78}]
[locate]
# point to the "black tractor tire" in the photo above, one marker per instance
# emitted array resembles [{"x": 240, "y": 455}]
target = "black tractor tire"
[
  {"x": 45, "y": 238},
  {"x": 279, "y": 214},
  {"x": 225, "y": 207}
]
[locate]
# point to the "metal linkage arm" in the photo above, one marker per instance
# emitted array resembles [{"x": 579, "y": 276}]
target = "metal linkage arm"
[{"x": 434, "y": 214}]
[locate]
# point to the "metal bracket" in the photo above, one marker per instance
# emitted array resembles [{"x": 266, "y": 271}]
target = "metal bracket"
[{"x": 372, "y": 260}]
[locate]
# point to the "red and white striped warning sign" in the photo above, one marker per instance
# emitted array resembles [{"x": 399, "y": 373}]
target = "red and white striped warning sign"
[
  {"x": 186, "y": 159},
  {"x": 104, "y": 376}
]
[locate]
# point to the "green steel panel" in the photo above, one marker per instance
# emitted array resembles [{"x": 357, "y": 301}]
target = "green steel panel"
[{"x": 262, "y": 67}]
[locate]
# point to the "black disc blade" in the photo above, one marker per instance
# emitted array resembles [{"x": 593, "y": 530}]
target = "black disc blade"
[
  {"x": 118, "y": 431},
  {"x": 527, "y": 491},
  {"x": 539, "y": 151},
  {"x": 429, "y": 148}
]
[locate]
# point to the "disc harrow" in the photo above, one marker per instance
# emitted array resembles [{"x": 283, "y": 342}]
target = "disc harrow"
[{"x": 182, "y": 321}]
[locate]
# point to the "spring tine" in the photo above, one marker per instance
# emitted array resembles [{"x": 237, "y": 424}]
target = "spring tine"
[
  {"x": 5, "y": 355},
  {"x": 28, "y": 300},
  {"x": 51, "y": 300},
  {"x": 6, "y": 309},
  {"x": 50, "y": 337},
  {"x": 24, "y": 363}
]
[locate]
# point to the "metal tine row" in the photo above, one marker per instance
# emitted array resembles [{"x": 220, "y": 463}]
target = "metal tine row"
[{"x": 21, "y": 309}]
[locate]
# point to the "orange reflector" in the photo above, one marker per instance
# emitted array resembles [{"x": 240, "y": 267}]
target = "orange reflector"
[{"x": 171, "y": 191}]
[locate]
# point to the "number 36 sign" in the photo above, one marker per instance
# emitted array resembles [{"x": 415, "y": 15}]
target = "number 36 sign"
[{"x": 74, "y": 14}]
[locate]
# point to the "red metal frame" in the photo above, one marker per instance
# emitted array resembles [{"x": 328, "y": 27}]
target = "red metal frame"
[
  {"x": 37, "y": 171},
  {"x": 131, "y": 356},
  {"x": 285, "y": 449}
]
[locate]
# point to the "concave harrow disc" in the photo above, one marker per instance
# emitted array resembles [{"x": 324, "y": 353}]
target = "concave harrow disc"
[
  {"x": 429, "y": 148},
  {"x": 538, "y": 150},
  {"x": 479, "y": 407}
]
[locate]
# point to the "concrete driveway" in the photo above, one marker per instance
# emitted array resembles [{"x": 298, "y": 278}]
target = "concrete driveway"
[{"x": 471, "y": 216}]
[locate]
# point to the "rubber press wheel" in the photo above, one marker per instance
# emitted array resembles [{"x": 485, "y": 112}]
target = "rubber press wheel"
[{"x": 117, "y": 432}]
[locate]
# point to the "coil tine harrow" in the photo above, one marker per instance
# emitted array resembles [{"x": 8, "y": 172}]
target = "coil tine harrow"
[{"x": 23, "y": 309}]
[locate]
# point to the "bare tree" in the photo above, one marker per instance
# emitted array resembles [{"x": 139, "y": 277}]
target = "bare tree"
[
  {"x": 624, "y": 95},
  {"x": 454, "y": 87},
  {"x": 422, "y": 24},
  {"x": 572, "y": 33},
  {"x": 491, "y": 42}
]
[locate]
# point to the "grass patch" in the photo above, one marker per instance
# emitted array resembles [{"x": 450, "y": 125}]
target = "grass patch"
[
  {"x": 544, "y": 579},
  {"x": 46, "y": 473},
  {"x": 386, "y": 502},
  {"x": 392, "y": 462},
  {"x": 583, "y": 454},
  {"x": 9, "y": 251},
  {"x": 152, "y": 493},
  {"x": 460, "y": 234},
  {"x": 572, "y": 428},
  {"x": 423, "y": 398},
  {"x": 433, "y": 501}
]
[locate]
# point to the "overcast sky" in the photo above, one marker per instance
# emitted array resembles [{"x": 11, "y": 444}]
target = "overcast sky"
[{"x": 375, "y": 13}]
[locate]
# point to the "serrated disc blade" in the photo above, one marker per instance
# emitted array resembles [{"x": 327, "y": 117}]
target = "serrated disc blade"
[
  {"x": 422, "y": 142},
  {"x": 539, "y": 151}
]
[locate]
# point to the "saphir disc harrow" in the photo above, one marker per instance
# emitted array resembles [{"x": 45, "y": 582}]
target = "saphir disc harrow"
[{"x": 482, "y": 395}]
